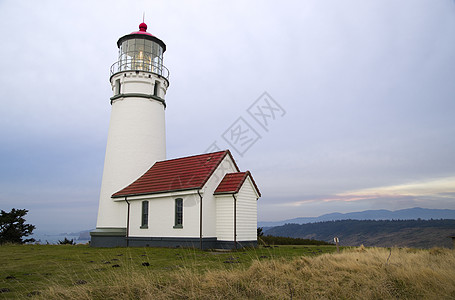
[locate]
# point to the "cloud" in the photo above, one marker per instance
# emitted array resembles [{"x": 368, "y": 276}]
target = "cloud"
[
  {"x": 431, "y": 193},
  {"x": 440, "y": 187}
]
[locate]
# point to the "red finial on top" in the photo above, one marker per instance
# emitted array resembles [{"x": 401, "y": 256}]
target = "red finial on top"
[{"x": 142, "y": 27}]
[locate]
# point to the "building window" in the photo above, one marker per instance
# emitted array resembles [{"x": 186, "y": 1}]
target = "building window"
[
  {"x": 178, "y": 213},
  {"x": 117, "y": 87},
  {"x": 145, "y": 214},
  {"x": 156, "y": 88}
]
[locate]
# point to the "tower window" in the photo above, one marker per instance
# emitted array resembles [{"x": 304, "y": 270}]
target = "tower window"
[
  {"x": 145, "y": 214},
  {"x": 156, "y": 88},
  {"x": 117, "y": 87},
  {"x": 178, "y": 213}
]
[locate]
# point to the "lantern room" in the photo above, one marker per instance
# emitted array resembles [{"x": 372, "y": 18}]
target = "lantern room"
[{"x": 140, "y": 51}]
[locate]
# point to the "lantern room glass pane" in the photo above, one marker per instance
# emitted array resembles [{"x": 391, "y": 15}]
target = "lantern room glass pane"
[
  {"x": 140, "y": 54},
  {"x": 124, "y": 46},
  {"x": 148, "y": 46},
  {"x": 139, "y": 43}
]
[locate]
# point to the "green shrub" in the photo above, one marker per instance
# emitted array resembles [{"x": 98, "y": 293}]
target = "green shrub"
[
  {"x": 280, "y": 240},
  {"x": 67, "y": 242}
]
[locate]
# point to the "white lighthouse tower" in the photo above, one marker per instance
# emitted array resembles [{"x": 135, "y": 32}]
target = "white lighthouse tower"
[{"x": 136, "y": 138}]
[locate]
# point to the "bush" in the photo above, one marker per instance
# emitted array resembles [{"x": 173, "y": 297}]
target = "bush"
[
  {"x": 280, "y": 240},
  {"x": 67, "y": 242}
]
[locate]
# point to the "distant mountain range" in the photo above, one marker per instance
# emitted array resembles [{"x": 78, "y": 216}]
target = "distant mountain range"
[
  {"x": 378, "y": 233},
  {"x": 382, "y": 214}
]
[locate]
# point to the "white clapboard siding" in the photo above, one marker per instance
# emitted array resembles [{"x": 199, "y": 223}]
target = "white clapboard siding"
[
  {"x": 209, "y": 201},
  {"x": 247, "y": 212},
  {"x": 225, "y": 217}
]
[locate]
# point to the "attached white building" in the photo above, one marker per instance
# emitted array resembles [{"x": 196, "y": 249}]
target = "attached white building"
[{"x": 196, "y": 201}]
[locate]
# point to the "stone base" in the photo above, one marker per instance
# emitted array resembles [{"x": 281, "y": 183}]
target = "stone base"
[
  {"x": 115, "y": 237},
  {"x": 108, "y": 237},
  {"x": 172, "y": 242},
  {"x": 240, "y": 244}
]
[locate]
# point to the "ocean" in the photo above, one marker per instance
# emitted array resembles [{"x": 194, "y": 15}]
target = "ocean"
[{"x": 49, "y": 238}]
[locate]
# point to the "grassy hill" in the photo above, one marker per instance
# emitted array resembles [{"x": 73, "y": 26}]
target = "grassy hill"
[
  {"x": 292, "y": 272},
  {"x": 379, "y": 233}
]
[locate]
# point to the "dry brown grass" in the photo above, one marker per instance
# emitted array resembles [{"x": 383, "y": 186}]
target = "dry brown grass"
[{"x": 358, "y": 273}]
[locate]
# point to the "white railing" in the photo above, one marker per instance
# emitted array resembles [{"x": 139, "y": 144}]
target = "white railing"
[{"x": 139, "y": 65}]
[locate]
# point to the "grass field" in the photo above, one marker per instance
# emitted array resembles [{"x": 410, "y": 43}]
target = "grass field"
[
  {"x": 284, "y": 272},
  {"x": 30, "y": 269}
]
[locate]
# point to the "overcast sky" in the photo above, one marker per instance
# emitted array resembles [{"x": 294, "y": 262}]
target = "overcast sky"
[{"x": 361, "y": 98}]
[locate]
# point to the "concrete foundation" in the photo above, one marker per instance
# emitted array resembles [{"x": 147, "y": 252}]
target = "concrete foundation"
[{"x": 98, "y": 239}]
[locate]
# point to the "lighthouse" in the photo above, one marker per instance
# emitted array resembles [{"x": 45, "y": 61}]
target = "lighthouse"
[
  {"x": 136, "y": 137},
  {"x": 147, "y": 200}
]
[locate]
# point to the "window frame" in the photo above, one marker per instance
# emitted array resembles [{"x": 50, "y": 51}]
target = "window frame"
[
  {"x": 118, "y": 86},
  {"x": 144, "y": 214},
  {"x": 178, "y": 213}
]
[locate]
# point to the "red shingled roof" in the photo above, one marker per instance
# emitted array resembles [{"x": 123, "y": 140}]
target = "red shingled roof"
[
  {"x": 179, "y": 174},
  {"x": 232, "y": 182}
]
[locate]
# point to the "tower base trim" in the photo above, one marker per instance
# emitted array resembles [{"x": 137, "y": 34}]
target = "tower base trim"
[{"x": 138, "y": 95}]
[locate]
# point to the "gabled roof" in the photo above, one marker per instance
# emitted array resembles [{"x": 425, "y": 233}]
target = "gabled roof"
[
  {"x": 180, "y": 174},
  {"x": 232, "y": 182}
]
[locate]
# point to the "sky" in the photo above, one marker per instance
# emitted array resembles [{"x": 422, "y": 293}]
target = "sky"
[{"x": 350, "y": 105}]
